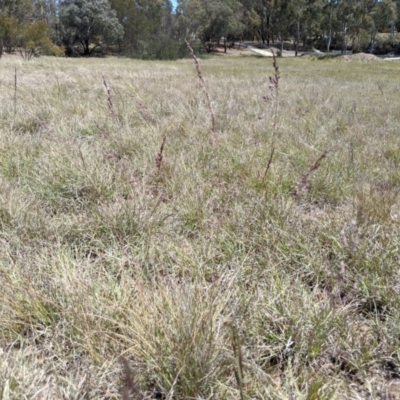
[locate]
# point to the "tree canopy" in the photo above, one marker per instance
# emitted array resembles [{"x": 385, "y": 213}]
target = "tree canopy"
[
  {"x": 155, "y": 29},
  {"x": 89, "y": 23}
]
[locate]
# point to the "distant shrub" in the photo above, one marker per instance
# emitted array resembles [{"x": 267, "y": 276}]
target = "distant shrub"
[
  {"x": 31, "y": 39},
  {"x": 34, "y": 40},
  {"x": 362, "y": 43},
  {"x": 386, "y": 45},
  {"x": 8, "y": 33},
  {"x": 161, "y": 49}
]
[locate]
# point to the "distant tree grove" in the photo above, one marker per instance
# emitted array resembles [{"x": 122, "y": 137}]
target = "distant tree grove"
[{"x": 153, "y": 29}]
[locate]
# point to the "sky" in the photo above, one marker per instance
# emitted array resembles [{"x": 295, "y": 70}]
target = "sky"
[{"x": 173, "y": 3}]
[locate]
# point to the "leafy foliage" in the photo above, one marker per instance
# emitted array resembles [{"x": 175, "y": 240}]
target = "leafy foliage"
[
  {"x": 211, "y": 19},
  {"x": 153, "y": 29},
  {"x": 31, "y": 39},
  {"x": 34, "y": 39},
  {"x": 148, "y": 28},
  {"x": 89, "y": 23},
  {"x": 8, "y": 33}
]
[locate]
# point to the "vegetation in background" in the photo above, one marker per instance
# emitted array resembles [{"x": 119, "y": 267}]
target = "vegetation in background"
[
  {"x": 30, "y": 39},
  {"x": 34, "y": 40},
  {"x": 211, "y": 20},
  {"x": 88, "y": 23},
  {"x": 152, "y": 29}
]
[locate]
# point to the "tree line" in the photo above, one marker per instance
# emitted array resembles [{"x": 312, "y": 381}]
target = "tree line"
[{"x": 154, "y": 29}]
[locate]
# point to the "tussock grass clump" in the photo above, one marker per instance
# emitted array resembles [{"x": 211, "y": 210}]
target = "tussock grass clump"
[{"x": 141, "y": 260}]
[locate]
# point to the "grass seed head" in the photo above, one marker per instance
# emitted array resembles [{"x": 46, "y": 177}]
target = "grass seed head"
[
  {"x": 159, "y": 157},
  {"x": 303, "y": 186}
]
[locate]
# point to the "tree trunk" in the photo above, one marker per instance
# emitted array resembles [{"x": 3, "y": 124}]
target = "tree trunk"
[
  {"x": 297, "y": 38},
  {"x": 392, "y": 31},
  {"x": 86, "y": 49},
  {"x": 328, "y": 44},
  {"x": 344, "y": 47},
  {"x": 329, "y": 41}
]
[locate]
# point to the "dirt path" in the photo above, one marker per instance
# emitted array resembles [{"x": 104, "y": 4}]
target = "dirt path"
[
  {"x": 265, "y": 53},
  {"x": 249, "y": 50}
]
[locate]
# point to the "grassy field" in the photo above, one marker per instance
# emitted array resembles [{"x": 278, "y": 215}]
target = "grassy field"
[{"x": 258, "y": 260}]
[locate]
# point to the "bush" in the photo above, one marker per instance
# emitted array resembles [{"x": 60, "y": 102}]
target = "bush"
[
  {"x": 386, "y": 45},
  {"x": 161, "y": 49},
  {"x": 8, "y": 33},
  {"x": 34, "y": 39},
  {"x": 361, "y": 44}
]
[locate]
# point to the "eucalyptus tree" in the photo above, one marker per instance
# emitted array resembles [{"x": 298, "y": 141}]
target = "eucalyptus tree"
[
  {"x": 8, "y": 33},
  {"x": 259, "y": 18},
  {"x": 397, "y": 22},
  {"x": 252, "y": 21},
  {"x": 210, "y": 20},
  {"x": 24, "y": 25},
  {"x": 329, "y": 23},
  {"x": 354, "y": 17},
  {"x": 311, "y": 22},
  {"x": 89, "y": 23},
  {"x": 20, "y": 10},
  {"x": 283, "y": 20},
  {"x": 143, "y": 21},
  {"x": 382, "y": 16}
]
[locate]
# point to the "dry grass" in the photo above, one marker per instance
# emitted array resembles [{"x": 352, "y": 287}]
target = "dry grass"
[
  {"x": 202, "y": 84},
  {"x": 197, "y": 264}
]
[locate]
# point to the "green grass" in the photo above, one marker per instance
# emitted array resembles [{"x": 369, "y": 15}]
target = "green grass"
[{"x": 211, "y": 276}]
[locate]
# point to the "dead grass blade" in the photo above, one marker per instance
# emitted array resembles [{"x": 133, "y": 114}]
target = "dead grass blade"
[
  {"x": 274, "y": 80},
  {"x": 109, "y": 99},
  {"x": 268, "y": 165},
  {"x": 273, "y": 87},
  {"x": 204, "y": 87},
  {"x": 15, "y": 89},
  {"x": 145, "y": 112},
  {"x": 159, "y": 157},
  {"x": 303, "y": 186}
]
